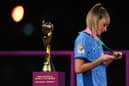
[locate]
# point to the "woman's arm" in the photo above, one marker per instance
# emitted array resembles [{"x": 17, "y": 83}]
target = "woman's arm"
[{"x": 81, "y": 65}]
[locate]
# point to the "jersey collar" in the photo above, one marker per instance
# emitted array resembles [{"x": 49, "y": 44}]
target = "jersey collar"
[{"x": 88, "y": 30}]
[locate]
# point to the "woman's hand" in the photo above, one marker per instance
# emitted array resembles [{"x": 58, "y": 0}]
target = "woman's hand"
[{"x": 118, "y": 55}]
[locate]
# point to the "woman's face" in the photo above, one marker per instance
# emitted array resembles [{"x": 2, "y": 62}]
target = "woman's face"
[{"x": 102, "y": 25}]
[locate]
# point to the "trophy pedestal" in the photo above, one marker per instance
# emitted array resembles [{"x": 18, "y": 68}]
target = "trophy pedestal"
[{"x": 48, "y": 79}]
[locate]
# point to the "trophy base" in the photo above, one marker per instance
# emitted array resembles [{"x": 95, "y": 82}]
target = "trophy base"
[{"x": 46, "y": 68}]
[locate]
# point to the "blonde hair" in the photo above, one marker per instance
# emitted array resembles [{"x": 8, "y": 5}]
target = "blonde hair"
[{"x": 95, "y": 14}]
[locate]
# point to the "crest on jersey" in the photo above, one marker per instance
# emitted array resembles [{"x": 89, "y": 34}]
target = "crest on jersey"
[{"x": 80, "y": 48}]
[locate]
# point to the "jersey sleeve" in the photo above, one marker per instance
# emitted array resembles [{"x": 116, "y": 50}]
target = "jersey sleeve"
[{"x": 80, "y": 47}]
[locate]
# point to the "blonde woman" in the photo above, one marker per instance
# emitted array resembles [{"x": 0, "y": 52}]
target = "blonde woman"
[{"x": 90, "y": 61}]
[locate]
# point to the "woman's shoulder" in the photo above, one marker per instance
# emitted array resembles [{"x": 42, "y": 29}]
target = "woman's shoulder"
[{"x": 83, "y": 34}]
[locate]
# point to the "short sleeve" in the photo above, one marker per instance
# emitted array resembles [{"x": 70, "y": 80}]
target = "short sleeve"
[{"x": 80, "y": 47}]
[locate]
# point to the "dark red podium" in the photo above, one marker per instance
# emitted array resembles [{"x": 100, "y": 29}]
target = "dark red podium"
[{"x": 48, "y": 79}]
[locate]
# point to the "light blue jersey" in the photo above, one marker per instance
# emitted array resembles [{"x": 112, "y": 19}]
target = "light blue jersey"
[{"x": 89, "y": 49}]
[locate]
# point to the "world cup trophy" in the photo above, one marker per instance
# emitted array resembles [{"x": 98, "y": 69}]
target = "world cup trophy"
[{"x": 47, "y": 28}]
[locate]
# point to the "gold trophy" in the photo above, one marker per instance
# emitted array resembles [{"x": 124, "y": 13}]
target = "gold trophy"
[{"x": 47, "y": 28}]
